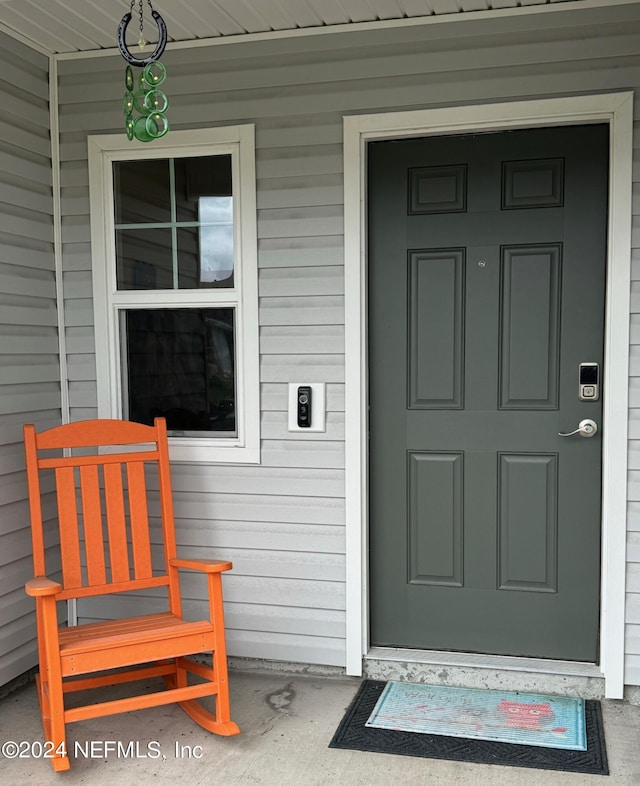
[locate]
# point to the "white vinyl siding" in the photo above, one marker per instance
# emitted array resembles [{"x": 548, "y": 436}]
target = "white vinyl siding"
[
  {"x": 29, "y": 368},
  {"x": 632, "y": 641},
  {"x": 283, "y": 522}
]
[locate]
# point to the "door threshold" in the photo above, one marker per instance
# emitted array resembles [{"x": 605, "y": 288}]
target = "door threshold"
[
  {"x": 471, "y": 670},
  {"x": 477, "y": 661}
]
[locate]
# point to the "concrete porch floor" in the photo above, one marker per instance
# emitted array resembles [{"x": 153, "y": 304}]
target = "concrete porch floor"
[{"x": 287, "y": 722}]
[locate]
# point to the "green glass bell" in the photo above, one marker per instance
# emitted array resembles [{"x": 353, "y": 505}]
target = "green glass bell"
[
  {"x": 140, "y": 130},
  {"x": 155, "y": 101},
  {"x": 139, "y": 102},
  {"x": 128, "y": 78},
  {"x": 154, "y": 73},
  {"x": 156, "y": 125},
  {"x": 127, "y": 103}
]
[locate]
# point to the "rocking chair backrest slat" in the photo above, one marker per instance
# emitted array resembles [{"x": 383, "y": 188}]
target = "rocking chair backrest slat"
[
  {"x": 92, "y": 520},
  {"x": 116, "y": 523},
  {"x": 102, "y": 505},
  {"x": 68, "y": 523},
  {"x": 139, "y": 521}
]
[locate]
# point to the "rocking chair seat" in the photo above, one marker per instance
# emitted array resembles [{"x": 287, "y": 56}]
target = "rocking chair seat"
[{"x": 131, "y": 640}]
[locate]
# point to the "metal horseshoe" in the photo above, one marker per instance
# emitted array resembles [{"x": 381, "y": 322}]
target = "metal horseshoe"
[{"x": 160, "y": 47}]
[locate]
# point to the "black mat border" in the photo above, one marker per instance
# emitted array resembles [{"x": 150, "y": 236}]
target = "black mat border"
[{"x": 352, "y": 734}]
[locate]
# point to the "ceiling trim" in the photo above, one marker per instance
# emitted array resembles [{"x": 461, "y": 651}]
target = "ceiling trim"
[
  {"x": 437, "y": 19},
  {"x": 24, "y": 40}
]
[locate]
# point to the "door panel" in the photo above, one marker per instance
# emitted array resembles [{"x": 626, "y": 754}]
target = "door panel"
[
  {"x": 435, "y": 493},
  {"x": 436, "y": 329},
  {"x": 486, "y": 291},
  {"x": 528, "y": 522},
  {"x": 530, "y": 326}
]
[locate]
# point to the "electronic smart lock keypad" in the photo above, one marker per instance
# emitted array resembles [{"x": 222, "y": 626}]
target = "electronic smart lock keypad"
[{"x": 589, "y": 382}]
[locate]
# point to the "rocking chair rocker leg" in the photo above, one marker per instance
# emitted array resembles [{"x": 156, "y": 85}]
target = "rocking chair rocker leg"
[
  {"x": 218, "y": 722},
  {"x": 54, "y": 730},
  {"x": 52, "y": 702},
  {"x": 223, "y": 723},
  {"x": 207, "y": 720},
  {"x": 194, "y": 709},
  {"x": 49, "y": 684}
]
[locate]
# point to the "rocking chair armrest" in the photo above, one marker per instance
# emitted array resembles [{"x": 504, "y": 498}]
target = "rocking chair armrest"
[
  {"x": 203, "y": 565},
  {"x": 42, "y": 586}
]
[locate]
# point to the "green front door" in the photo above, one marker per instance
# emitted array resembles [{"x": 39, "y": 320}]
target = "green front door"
[{"x": 486, "y": 293}]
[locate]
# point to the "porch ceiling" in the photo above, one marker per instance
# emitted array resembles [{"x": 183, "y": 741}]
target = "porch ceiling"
[{"x": 65, "y": 26}]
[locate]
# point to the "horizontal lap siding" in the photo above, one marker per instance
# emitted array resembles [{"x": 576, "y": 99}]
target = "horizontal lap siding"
[
  {"x": 282, "y": 523},
  {"x": 29, "y": 367},
  {"x": 632, "y": 638}
]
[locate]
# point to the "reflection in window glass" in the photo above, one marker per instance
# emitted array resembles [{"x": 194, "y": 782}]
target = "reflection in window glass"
[
  {"x": 142, "y": 192},
  {"x": 144, "y": 259},
  {"x": 179, "y": 364},
  {"x": 203, "y": 176},
  {"x": 216, "y": 239},
  {"x": 196, "y": 244}
]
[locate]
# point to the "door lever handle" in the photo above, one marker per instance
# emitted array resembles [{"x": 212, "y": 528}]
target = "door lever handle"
[{"x": 586, "y": 428}]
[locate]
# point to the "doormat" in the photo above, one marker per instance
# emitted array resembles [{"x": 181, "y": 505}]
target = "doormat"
[
  {"x": 501, "y": 716},
  {"x": 353, "y": 733}
]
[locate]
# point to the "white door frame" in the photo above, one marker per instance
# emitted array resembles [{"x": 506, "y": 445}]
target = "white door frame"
[{"x": 616, "y": 109}]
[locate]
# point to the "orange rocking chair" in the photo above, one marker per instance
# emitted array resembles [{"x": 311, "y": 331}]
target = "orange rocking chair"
[{"x": 105, "y": 548}]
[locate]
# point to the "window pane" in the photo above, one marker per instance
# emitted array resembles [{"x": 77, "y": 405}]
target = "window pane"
[
  {"x": 142, "y": 192},
  {"x": 172, "y": 193},
  {"x": 205, "y": 257},
  {"x": 180, "y": 364},
  {"x": 144, "y": 259},
  {"x": 205, "y": 176}
]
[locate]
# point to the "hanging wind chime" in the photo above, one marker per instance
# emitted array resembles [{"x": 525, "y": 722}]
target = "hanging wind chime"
[{"x": 144, "y": 105}]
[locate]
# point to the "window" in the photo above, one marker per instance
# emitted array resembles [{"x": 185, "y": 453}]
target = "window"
[{"x": 175, "y": 288}]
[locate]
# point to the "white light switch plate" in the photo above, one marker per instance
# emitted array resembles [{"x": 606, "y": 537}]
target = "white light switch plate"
[{"x": 318, "y": 406}]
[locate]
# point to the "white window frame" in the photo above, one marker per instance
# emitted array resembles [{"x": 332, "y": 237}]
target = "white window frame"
[{"x": 103, "y": 151}]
